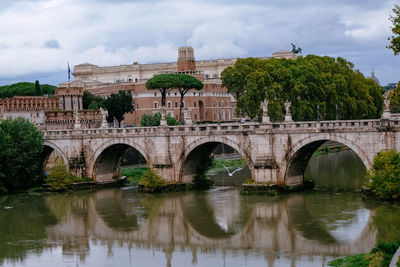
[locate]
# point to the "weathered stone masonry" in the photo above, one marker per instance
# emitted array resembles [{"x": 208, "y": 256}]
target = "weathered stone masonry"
[{"x": 275, "y": 152}]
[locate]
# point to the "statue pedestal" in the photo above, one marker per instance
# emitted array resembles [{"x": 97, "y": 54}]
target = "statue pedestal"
[
  {"x": 163, "y": 122},
  {"x": 77, "y": 126},
  {"x": 386, "y": 114},
  {"x": 104, "y": 124},
  {"x": 188, "y": 121},
  {"x": 288, "y": 118},
  {"x": 265, "y": 119}
]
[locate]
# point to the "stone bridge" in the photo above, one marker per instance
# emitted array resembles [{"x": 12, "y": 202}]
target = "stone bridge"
[{"x": 274, "y": 152}]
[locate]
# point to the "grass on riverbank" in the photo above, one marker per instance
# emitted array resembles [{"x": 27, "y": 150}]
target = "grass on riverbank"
[
  {"x": 133, "y": 175},
  {"x": 220, "y": 164},
  {"x": 380, "y": 256}
]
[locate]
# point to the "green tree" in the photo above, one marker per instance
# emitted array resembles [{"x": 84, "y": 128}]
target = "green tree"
[
  {"x": 91, "y": 101},
  {"x": 38, "y": 90},
  {"x": 118, "y": 104},
  {"x": 21, "y": 146},
  {"x": 384, "y": 177},
  {"x": 394, "y": 96},
  {"x": 317, "y": 87},
  {"x": 25, "y": 89},
  {"x": 154, "y": 120},
  {"x": 184, "y": 83},
  {"x": 395, "y": 38},
  {"x": 163, "y": 83}
]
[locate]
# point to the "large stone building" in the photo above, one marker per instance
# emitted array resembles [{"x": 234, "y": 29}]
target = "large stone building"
[{"x": 213, "y": 103}]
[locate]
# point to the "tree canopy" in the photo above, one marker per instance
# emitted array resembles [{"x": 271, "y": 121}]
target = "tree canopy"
[
  {"x": 21, "y": 145},
  {"x": 395, "y": 38},
  {"x": 118, "y": 104},
  {"x": 162, "y": 83},
  {"x": 317, "y": 87},
  {"x": 38, "y": 90},
  {"x": 154, "y": 119},
  {"x": 167, "y": 82},
  {"x": 91, "y": 101},
  {"x": 394, "y": 97},
  {"x": 25, "y": 89}
]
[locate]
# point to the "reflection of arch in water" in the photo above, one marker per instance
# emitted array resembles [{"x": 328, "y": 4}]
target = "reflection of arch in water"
[
  {"x": 107, "y": 159},
  {"x": 200, "y": 214},
  {"x": 301, "y": 152},
  {"x": 110, "y": 206},
  {"x": 199, "y": 151}
]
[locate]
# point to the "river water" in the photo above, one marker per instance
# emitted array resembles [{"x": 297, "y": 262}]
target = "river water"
[{"x": 219, "y": 227}]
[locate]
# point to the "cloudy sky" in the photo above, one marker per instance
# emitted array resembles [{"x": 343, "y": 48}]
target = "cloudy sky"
[{"x": 39, "y": 37}]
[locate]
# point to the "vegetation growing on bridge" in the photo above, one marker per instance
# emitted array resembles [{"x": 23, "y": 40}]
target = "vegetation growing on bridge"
[
  {"x": 318, "y": 88},
  {"x": 154, "y": 119},
  {"x": 21, "y": 146},
  {"x": 60, "y": 178},
  {"x": 26, "y": 89},
  {"x": 384, "y": 177}
]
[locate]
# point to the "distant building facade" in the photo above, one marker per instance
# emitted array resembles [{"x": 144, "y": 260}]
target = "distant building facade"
[{"x": 213, "y": 103}]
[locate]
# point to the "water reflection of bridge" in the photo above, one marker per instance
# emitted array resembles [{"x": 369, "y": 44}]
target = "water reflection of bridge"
[{"x": 202, "y": 222}]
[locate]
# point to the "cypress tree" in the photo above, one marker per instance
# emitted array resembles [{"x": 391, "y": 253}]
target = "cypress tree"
[{"x": 38, "y": 90}]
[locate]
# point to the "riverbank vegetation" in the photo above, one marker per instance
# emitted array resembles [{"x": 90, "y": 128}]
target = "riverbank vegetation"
[
  {"x": 384, "y": 176},
  {"x": 26, "y": 89},
  {"x": 133, "y": 175},
  {"x": 319, "y": 88},
  {"x": 21, "y": 145},
  {"x": 380, "y": 256},
  {"x": 59, "y": 178}
]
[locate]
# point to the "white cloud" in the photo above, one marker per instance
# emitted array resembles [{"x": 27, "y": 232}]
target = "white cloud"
[{"x": 120, "y": 32}]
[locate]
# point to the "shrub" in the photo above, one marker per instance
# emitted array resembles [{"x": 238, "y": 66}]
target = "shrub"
[
  {"x": 151, "y": 181},
  {"x": 384, "y": 176},
  {"x": 59, "y": 177}
]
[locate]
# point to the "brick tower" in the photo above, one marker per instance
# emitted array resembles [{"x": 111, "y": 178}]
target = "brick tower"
[{"x": 186, "y": 60}]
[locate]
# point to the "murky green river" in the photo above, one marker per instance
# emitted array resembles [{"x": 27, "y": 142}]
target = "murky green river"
[{"x": 220, "y": 227}]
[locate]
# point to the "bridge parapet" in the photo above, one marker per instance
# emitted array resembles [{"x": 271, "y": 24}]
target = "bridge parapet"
[{"x": 280, "y": 127}]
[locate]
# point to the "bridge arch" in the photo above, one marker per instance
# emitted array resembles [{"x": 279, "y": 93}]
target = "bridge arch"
[
  {"x": 298, "y": 157},
  {"x": 211, "y": 140},
  {"x": 105, "y": 160},
  {"x": 48, "y": 149}
]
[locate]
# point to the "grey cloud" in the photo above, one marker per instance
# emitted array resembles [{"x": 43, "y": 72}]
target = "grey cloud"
[{"x": 52, "y": 43}]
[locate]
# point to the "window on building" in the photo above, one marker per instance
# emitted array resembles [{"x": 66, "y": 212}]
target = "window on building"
[
  {"x": 169, "y": 104},
  {"x": 194, "y": 93},
  {"x": 155, "y": 94},
  {"x": 183, "y": 104},
  {"x": 176, "y": 104},
  {"x": 194, "y": 103},
  {"x": 136, "y": 79},
  {"x": 175, "y": 93},
  {"x": 169, "y": 93},
  {"x": 195, "y": 116},
  {"x": 155, "y": 104}
]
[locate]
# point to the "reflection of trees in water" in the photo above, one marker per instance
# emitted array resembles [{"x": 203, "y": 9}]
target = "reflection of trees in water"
[
  {"x": 341, "y": 170},
  {"x": 386, "y": 220},
  {"x": 23, "y": 222}
]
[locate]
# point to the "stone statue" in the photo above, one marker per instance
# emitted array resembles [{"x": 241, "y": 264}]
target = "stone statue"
[
  {"x": 386, "y": 101},
  {"x": 287, "y": 107},
  {"x": 33, "y": 118},
  {"x": 189, "y": 112},
  {"x": 264, "y": 105},
  {"x": 77, "y": 117},
  {"x": 104, "y": 114}
]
